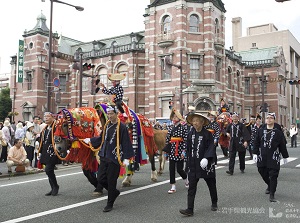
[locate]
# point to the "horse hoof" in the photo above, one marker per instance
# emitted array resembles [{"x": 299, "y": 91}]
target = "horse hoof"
[
  {"x": 154, "y": 176},
  {"x": 126, "y": 184},
  {"x": 154, "y": 179}
]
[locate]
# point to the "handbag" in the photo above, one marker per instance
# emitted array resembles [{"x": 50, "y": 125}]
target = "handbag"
[{"x": 20, "y": 168}]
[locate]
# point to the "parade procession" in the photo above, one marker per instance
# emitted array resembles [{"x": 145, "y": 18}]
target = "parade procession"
[{"x": 187, "y": 120}]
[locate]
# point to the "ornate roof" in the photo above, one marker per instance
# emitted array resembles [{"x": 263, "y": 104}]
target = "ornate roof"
[
  {"x": 40, "y": 26},
  {"x": 259, "y": 54},
  {"x": 218, "y": 3}
]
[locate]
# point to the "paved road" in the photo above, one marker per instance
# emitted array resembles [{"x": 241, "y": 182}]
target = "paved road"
[{"x": 241, "y": 198}]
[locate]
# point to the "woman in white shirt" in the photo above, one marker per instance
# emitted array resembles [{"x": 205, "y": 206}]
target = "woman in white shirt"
[
  {"x": 293, "y": 134},
  {"x": 29, "y": 142}
]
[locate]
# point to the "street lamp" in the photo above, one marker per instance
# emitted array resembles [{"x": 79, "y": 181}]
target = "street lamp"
[{"x": 79, "y": 8}]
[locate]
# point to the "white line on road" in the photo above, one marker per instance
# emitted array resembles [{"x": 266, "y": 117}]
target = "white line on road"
[
  {"x": 26, "y": 218},
  {"x": 290, "y": 159},
  {"x": 249, "y": 162},
  {"x": 30, "y": 181}
]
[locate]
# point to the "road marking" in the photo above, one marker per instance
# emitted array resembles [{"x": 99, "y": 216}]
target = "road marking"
[
  {"x": 290, "y": 159},
  {"x": 56, "y": 210},
  {"x": 220, "y": 156},
  {"x": 223, "y": 161},
  {"x": 249, "y": 162},
  {"x": 298, "y": 165},
  {"x": 30, "y": 181}
]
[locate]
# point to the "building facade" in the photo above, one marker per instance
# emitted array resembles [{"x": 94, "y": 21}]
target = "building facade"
[
  {"x": 179, "y": 57},
  {"x": 265, "y": 36}
]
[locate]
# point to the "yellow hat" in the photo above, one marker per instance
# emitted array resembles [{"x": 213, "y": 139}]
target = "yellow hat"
[
  {"x": 116, "y": 77},
  {"x": 175, "y": 112},
  {"x": 190, "y": 117}
]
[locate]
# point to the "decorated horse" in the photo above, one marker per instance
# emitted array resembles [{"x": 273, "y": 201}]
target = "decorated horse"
[
  {"x": 145, "y": 140},
  {"x": 224, "y": 119},
  {"x": 74, "y": 125}
]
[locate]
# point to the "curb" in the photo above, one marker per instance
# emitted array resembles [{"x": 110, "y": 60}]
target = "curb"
[{"x": 36, "y": 171}]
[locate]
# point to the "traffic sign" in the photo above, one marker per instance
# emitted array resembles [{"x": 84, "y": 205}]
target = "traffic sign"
[{"x": 56, "y": 82}]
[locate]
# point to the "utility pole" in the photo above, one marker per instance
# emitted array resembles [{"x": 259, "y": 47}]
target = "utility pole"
[
  {"x": 263, "y": 91},
  {"x": 180, "y": 92},
  {"x": 80, "y": 80}
]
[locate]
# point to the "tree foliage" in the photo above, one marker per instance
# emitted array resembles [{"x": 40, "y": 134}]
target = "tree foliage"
[{"x": 5, "y": 103}]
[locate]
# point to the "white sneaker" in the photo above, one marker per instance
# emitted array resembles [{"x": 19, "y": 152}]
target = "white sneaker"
[
  {"x": 171, "y": 191},
  {"x": 186, "y": 184},
  {"x": 29, "y": 168}
]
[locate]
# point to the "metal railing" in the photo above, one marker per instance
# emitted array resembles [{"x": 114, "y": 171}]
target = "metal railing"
[
  {"x": 114, "y": 50},
  {"x": 260, "y": 63}
]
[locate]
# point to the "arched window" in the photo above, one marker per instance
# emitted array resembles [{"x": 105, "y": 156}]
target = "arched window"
[
  {"x": 29, "y": 81},
  {"x": 203, "y": 106},
  {"x": 123, "y": 68},
  {"x": 114, "y": 44},
  {"x": 238, "y": 78},
  {"x": 217, "y": 27},
  {"x": 166, "y": 24},
  {"x": 194, "y": 23},
  {"x": 102, "y": 74},
  {"x": 218, "y": 69},
  {"x": 229, "y": 77}
]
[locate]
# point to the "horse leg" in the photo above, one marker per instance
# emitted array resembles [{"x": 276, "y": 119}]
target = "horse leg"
[
  {"x": 162, "y": 161},
  {"x": 127, "y": 180},
  {"x": 153, "y": 169}
]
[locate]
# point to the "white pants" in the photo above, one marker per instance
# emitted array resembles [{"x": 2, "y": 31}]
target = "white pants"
[{"x": 11, "y": 163}]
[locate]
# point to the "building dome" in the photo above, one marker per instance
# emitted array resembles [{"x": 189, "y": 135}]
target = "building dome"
[
  {"x": 41, "y": 17},
  {"x": 41, "y": 23}
]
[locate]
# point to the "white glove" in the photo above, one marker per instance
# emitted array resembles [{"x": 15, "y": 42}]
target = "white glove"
[
  {"x": 87, "y": 140},
  {"x": 126, "y": 162},
  {"x": 203, "y": 163},
  {"x": 38, "y": 156},
  {"x": 285, "y": 161},
  {"x": 255, "y": 158}
]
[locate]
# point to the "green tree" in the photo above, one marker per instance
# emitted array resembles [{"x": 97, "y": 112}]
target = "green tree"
[{"x": 5, "y": 103}]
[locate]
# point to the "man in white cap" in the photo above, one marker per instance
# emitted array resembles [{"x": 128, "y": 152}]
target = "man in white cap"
[
  {"x": 201, "y": 154},
  {"x": 269, "y": 143},
  {"x": 239, "y": 137}
]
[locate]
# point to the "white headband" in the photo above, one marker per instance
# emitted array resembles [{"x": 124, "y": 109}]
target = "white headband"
[
  {"x": 272, "y": 114},
  {"x": 111, "y": 108}
]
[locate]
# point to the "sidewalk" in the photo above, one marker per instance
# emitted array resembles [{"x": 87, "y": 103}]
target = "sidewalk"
[{"x": 4, "y": 170}]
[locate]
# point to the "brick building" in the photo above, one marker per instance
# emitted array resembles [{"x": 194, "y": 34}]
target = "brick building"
[
  {"x": 186, "y": 33},
  {"x": 266, "y": 36}
]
